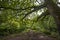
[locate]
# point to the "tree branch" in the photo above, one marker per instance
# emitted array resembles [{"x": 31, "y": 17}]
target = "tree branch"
[
  {"x": 43, "y": 15},
  {"x": 37, "y": 8},
  {"x": 2, "y": 7}
]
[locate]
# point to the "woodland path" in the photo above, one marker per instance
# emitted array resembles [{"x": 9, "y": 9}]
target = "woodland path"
[{"x": 29, "y": 36}]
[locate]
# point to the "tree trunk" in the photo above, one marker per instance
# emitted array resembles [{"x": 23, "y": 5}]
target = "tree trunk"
[{"x": 54, "y": 10}]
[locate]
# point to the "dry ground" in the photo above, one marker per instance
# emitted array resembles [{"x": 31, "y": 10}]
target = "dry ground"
[{"x": 29, "y": 36}]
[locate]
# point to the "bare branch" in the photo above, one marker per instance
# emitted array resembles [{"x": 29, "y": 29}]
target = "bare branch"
[
  {"x": 43, "y": 15},
  {"x": 37, "y": 1}
]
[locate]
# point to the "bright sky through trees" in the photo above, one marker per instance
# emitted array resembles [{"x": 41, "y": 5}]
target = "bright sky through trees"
[{"x": 59, "y": 0}]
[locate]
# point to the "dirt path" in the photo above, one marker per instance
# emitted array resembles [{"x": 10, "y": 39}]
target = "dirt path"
[{"x": 29, "y": 36}]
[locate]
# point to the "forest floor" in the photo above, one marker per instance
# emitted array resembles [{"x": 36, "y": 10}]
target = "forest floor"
[{"x": 30, "y": 35}]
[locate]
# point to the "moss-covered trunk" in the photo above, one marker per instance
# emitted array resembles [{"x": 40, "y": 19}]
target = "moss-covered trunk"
[{"x": 54, "y": 10}]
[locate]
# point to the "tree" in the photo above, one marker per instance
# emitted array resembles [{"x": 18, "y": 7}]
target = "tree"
[
  {"x": 23, "y": 8},
  {"x": 54, "y": 10}
]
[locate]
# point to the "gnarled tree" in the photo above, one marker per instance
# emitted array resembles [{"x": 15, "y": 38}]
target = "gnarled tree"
[{"x": 50, "y": 8}]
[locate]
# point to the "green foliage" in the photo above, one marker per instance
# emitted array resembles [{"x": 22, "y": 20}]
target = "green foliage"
[{"x": 10, "y": 20}]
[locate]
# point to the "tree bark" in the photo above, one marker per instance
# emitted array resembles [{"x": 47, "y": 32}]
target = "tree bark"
[{"x": 54, "y": 10}]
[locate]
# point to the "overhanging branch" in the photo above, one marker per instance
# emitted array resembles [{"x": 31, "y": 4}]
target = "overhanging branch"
[
  {"x": 43, "y": 15},
  {"x": 37, "y": 8},
  {"x": 2, "y": 7}
]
